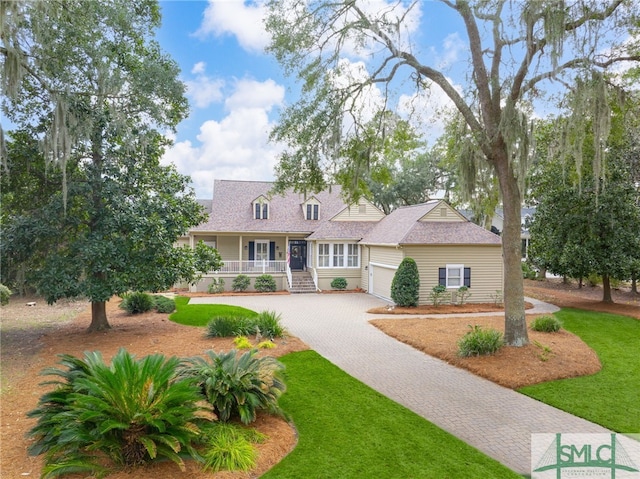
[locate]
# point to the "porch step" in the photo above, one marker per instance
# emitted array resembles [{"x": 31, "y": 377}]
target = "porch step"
[{"x": 302, "y": 282}]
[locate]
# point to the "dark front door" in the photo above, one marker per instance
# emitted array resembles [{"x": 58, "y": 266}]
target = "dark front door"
[{"x": 297, "y": 255}]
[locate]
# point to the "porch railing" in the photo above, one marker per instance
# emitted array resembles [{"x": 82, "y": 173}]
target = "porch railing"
[{"x": 258, "y": 267}]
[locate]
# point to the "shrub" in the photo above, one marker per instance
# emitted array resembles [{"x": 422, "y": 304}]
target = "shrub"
[
  {"x": 5, "y": 294},
  {"x": 265, "y": 283},
  {"x": 227, "y": 326},
  {"x": 241, "y": 282},
  {"x": 437, "y": 294},
  {"x": 242, "y": 342},
  {"x": 339, "y": 283},
  {"x": 137, "y": 302},
  {"x": 497, "y": 297},
  {"x": 528, "y": 272},
  {"x": 546, "y": 324},
  {"x": 267, "y": 324},
  {"x": 114, "y": 411},
  {"x": 463, "y": 294},
  {"x": 216, "y": 286},
  {"x": 165, "y": 305},
  {"x": 237, "y": 386},
  {"x": 227, "y": 447},
  {"x": 479, "y": 342},
  {"x": 405, "y": 287},
  {"x": 268, "y": 344}
]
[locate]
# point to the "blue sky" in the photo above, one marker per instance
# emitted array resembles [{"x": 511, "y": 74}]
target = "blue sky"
[{"x": 235, "y": 90}]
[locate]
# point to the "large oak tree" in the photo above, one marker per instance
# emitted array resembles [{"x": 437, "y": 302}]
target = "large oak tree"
[{"x": 514, "y": 51}]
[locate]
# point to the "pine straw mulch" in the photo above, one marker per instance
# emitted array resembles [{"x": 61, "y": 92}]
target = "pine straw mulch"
[
  {"x": 549, "y": 356},
  {"x": 26, "y": 351}
]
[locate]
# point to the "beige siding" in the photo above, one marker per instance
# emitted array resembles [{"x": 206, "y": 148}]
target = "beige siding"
[
  {"x": 326, "y": 275},
  {"x": 228, "y": 247},
  {"x": 364, "y": 270},
  {"x": 443, "y": 212},
  {"x": 485, "y": 263},
  {"x": 389, "y": 255},
  {"x": 363, "y": 211}
]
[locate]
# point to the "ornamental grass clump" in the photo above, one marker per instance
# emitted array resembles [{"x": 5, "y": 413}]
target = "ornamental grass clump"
[
  {"x": 228, "y": 326},
  {"x": 546, "y": 324},
  {"x": 229, "y": 447},
  {"x": 236, "y": 384},
  {"x": 137, "y": 302},
  {"x": 479, "y": 342},
  {"x": 100, "y": 416},
  {"x": 268, "y": 325}
]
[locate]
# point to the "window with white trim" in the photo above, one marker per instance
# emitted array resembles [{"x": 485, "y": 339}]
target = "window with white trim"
[
  {"x": 312, "y": 212},
  {"x": 324, "y": 257},
  {"x": 261, "y": 210},
  {"x": 353, "y": 256},
  {"x": 338, "y": 255},
  {"x": 262, "y": 250},
  {"x": 454, "y": 276}
]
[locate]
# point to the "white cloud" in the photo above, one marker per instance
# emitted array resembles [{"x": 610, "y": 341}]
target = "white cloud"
[
  {"x": 204, "y": 90},
  {"x": 235, "y": 17},
  {"x": 236, "y": 147}
]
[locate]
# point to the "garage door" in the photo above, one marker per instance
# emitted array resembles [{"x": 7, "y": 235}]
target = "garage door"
[{"x": 380, "y": 278}]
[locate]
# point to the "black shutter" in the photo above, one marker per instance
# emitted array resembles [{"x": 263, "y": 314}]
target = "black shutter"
[
  {"x": 467, "y": 277},
  {"x": 252, "y": 250},
  {"x": 442, "y": 276},
  {"x": 272, "y": 250}
]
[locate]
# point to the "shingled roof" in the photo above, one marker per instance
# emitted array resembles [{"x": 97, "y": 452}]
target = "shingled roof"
[
  {"x": 232, "y": 211},
  {"x": 402, "y": 227}
]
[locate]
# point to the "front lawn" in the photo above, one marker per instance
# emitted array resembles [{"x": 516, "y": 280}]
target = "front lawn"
[
  {"x": 347, "y": 429},
  {"x": 611, "y": 396},
  {"x": 201, "y": 314}
]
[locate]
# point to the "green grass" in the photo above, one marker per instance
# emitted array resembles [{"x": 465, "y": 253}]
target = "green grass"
[
  {"x": 201, "y": 314},
  {"x": 347, "y": 429},
  {"x": 610, "y": 397}
]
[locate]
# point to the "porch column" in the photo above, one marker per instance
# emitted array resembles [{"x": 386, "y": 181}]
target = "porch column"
[{"x": 240, "y": 253}]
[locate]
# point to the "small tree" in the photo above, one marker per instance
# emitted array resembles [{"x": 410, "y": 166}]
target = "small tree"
[{"x": 405, "y": 287}]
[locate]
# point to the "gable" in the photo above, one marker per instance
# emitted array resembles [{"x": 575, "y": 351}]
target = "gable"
[
  {"x": 443, "y": 212},
  {"x": 364, "y": 210}
]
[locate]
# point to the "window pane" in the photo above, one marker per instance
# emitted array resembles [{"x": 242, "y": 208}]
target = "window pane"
[
  {"x": 257, "y": 211},
  {"x": 454, "y": 276},
  {"x": 323, "y": 255},
  {"x": 338, "y": 255},
  {"x": 315, "y": 212},
  {"x": 308, "y": 212},
  {"x": 353, "y": 260},
  {"x": 262, "y": 251},
  {"x": 265, "y": 211}
]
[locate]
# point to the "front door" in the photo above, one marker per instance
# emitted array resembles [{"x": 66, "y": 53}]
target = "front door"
[{"x": 297, "y": 255}]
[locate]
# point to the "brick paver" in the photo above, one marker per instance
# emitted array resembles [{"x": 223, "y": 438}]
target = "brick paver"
[{"x": 494, "y": 419}]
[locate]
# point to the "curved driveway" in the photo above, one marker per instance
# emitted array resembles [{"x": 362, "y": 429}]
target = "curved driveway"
[{"x": 494, "y": 419}]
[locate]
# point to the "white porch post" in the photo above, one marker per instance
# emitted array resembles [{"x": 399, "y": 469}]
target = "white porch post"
[
  {"x": 192, "y": 244},
  {"x": 240, "y": 253}
]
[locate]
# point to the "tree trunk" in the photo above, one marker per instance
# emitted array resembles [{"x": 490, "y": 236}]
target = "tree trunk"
[
  {"x": 634, "y": 284},
  {"x": 606, "y": 289},
  {"x": 99, "y": 316},
  {"x": 542, "y": 274},
  {"x": 515, "y": 325}
]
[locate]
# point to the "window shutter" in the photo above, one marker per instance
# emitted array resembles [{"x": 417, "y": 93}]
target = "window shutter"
[
  {"x": 442, "y": 276},
  {"x": 252, "y": 250},
  {"x": 467, "y": 277},
  {"x": 272, "y": 250}
]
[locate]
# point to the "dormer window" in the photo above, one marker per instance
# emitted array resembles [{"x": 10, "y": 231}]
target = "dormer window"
[
  {"x": 261, "y": 209},
  {"x": 312, "y": 212}
]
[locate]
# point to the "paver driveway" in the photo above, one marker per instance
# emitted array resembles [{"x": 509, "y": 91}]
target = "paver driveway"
[{"x": 494, "y": 419}]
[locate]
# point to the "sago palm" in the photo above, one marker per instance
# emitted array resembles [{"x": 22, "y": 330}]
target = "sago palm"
[{"x": 133, "y": 411}]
